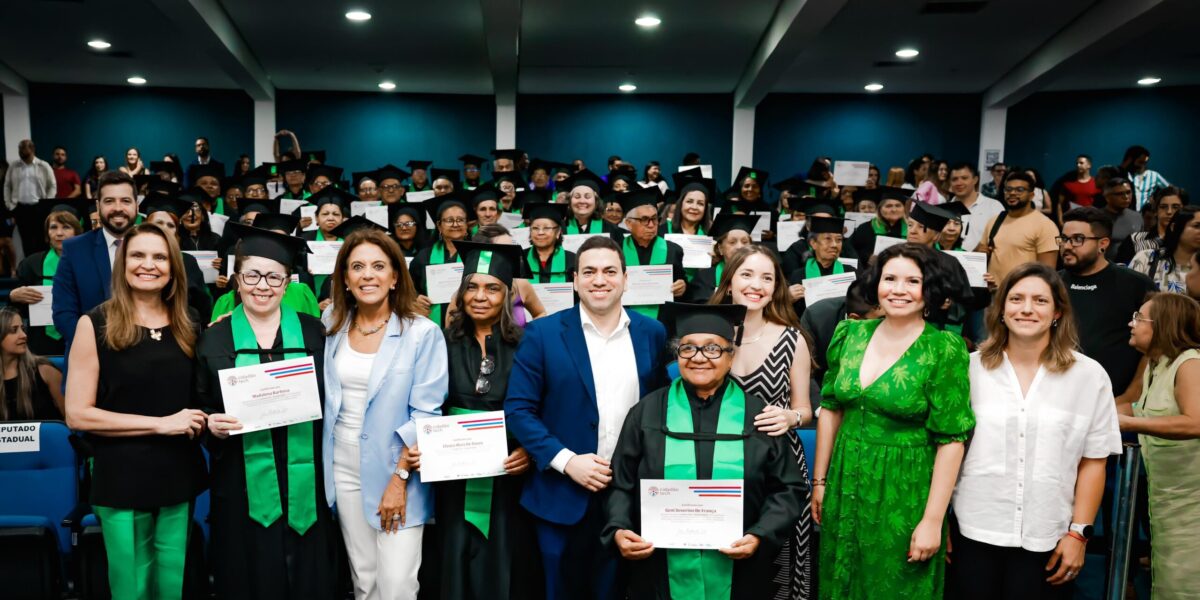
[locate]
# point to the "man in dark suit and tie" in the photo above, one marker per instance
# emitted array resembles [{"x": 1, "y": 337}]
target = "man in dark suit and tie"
[
  {"x": 575, "y": 376},
  {"x": 203, "y": 157}
]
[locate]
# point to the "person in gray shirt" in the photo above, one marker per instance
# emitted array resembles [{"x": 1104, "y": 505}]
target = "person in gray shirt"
[{"x": 1118, "y": 195}]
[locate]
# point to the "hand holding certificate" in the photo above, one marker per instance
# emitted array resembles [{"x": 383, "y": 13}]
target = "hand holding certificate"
[
  {"x": 442, "y": 281},
  {"x": 691, "y": 514},
  {"x": 465, "y": 446},
  {"x": 269, "y": 395}
]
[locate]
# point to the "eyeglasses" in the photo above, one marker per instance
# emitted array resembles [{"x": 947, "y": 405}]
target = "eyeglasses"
[
  {"x": 391, "y": 187},
  {"x": 406, "y": 224},
  {"x": 452, "y": 222},
  {"x": 1075, "y": 240},
  {"x": 550, "y": 229},
  {"x": 251, "y": 278},
  {"x": 486, "y": 367},
  {"x": 646, "y": 221},
  {"x": 710, "y": 351},
  {"x": 1016, "y": 190},
  {"x": 1137, "y": 316}
]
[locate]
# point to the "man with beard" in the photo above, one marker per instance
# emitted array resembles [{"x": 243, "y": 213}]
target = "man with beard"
[
  {"x": 1118, "y": 197},
  {"x": 1022, "y": 234},
  {"x": 66, "y": 180}
]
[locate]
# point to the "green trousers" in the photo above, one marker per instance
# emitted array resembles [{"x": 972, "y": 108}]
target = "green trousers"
[{"x": 146, "y": 550}]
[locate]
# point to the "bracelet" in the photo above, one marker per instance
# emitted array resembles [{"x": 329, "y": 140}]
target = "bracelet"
[
  {"x": 820, "y": 481},
  {"x": 1077, "y": 536}
]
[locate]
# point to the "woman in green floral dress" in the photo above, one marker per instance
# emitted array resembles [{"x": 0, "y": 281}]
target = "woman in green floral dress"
[{"x": 895, "y": 413}]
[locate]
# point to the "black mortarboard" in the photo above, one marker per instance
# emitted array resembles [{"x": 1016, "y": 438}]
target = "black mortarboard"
[
  {"x": 639, "y": 196},
  {"x": 708, "y": 319},
  {"x": 195, "y": 172},
  {"x": 545, "y": 210},
  {"x": 756, "y": 174},
  {"x": 512, "y": 176},
  {"x": 333, "y": 174},
  {"x": 825, "y": 225},
  {"x": 867, "y": 194},
  {"x": 792, "y": 184},
  {"x": 71, "y": 205},
  {"x": 412, "y": 209},
  {"x": 270, "y": 220},
  {"x": 291, "y": 165},
  {"x": 585, "y": 178},
  {"x": 256, "y": 241},
  {"x": 356, "y": 223},
  {"x": 231, "y": 182},
  {"x": 172, "y": 204},
  {"x": 727, "y": 221},
  {"x": 418, "y": 164},
  {"x": 502, "y": 261},
  {"x": 436, "y": 206},
  {"x": 158, "y": 185},
  {"x": 513, "y": 154},
  {"x": 167, "y": 166},
  {"x": 450, "y": 175},
  {"x": 932, "y": 217},
  {"x": 484, "y": 194},
  {"x": 357, "y": 177},
  {"x": 314, "y": 156},
  {"x": 257, "y": 176},
  {"x": 894, "y": 193},
  {"x": 334, "y": 195},
  {"x": 390, "y": 171},
  {"x": 630, "y": 178},
  {"x": 256, "y": 207},
  {"x": 958, "y": 209},
  {"x": 531, "y": 197},
  {"x": 549, "y": 166},
  {"x": 810, "y": 205},
  {"x": 471, "y": 159}
]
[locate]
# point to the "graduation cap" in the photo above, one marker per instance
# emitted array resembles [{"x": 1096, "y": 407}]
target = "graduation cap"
[
  {"x": 195, "y": 172},
  {"x": 167, "y": 166},
  {"x": 531, "y": 197},
  {"x": 411, "y": 209},
  {"x": 276, "y": 221},
  {"x": 510, "y": 176},
  {"x": 727, "y": 221},
  {"x": 333, "y": 195},
  {"x": 70, "y": 205},
  {"x": 485, "y": 194},
  {"x": 314, "y": 156},
  {"x": 546, "y": 210},
  {"x": 418, "y": 164},
  {"x": 256, "y": 207},
  {"x": 825, "y": 225},
  {"x": 958, "y": 209},
  {"x": 358, "y": 176},
  {"x": 583, "y": 178},
  {"x": 873, "y": 195},
  {"x": 390, "y": 171},
  {"x": 894, "y": 193},
  {"x": 750, "y": 172},
  {"x": 502, "y": 261},
  {"x": 158, "y": 185},
  {"x": 793, "y": 184},
  {"x": 639, "y": 197},
  {"x": 288, "y": 166},
  {"x": 932, "y": 217},
  {"x": 159, "y": 203},
  {"x": 706, "y": 319},
  {"x": 333, "y": 174},
  {"x": 472, "y": 160},
  {"x": 685, "y": 185},
  {"x": 450, "y": 175},
  {"x": 513, "y": 154},
  {"x": 436, "y": 206},
  {"x": 356, "y": 223},
  {"x": 257, "y": 241},
  {"x": 230, "y": 183},
  {"x": 810, "y": 205},
  {"x": 549, "y": 166},
  {"x": 628, "y": 177}
]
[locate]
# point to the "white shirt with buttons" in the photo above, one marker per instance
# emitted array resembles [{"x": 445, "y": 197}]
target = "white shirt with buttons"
[{"x": 1017, "y": 483}]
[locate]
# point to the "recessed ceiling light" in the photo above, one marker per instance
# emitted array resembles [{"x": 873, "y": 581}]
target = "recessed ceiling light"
[
  {"x": 627, "y": 87},
  {"x": 358, "y": 15},
  {"x": 907, "y": 53},
  {"x": 387, "y": 86},
  {"x": 873, "y": 87},
  {"x": 137, "y": 80},
  {"x": 648, "y": 21},
  {"x": 99, "y": 44},
  {"x": 1149, "y": 80}
]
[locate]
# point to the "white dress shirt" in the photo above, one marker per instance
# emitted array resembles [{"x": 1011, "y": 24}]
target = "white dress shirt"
[
  {"x": 614, "y": 371},
  {"x": 110, "y": 242},
  {"x": 1017, "y": 485},
  {"x": 975, "y": 224}
]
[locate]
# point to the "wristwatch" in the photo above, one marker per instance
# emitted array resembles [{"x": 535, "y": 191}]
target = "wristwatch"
[
  {"x": 401, "y": 472},
  {"x": 1082, "y": 529}
]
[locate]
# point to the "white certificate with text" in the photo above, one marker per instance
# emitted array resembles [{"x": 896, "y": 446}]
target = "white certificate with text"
[
  {"x": 274, "y": 394},
  {"x": 571, "y": 242},
  {"x": 324, "y": 257},
  {"x": 465, "y": 446},
  {"x": 697, "y": 249},
  {"x": 42, "y": 313},
  {"x": 442, "y": 281},
  {"x": 829, "y": 286},
  {"x": 690, "y": 514},
  {"x": 974, "y": 263},
  {"x": 204, "y": 259},
  {"x": 883, "y": 242},
  {"x": 555, "y": 296},
  {"x": 647, "y": 285}
]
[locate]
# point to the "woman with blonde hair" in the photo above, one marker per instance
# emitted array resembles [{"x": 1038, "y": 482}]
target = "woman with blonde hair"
[
  {"x": 129, "y": 389},
  {"x": 1045, "y": 424},
  {"x": 895, "y": 177}
]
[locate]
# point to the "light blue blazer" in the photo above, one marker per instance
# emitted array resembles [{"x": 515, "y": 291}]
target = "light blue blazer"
[{"x": 408, "y": 381}]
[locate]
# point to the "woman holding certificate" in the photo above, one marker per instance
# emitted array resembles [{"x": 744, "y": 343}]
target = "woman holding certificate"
[
  {"x": 895, "y": 414},
  {"x": 385, "y": 367},
  {"x": 38, "y": 270},
  {"x": 129, "y": 391},
  {"x": 449, "y": 214},
  {"x": 702, "y": 427},
  {"x": 730, "y": 232},
  {"x": 485, "y": 549},
  {"x": 272, "y": 531}
]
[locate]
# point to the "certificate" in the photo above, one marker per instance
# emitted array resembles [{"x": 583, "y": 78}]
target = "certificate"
[
  {"x": 688, "y": 513},
  {"x": 511, "y": 221},
  {"x": 274, "y": 188},
  {"x": 787, "y": 233},
  {"x": 463, "y": 446},
  {"x": 854, "y": 219},
  {"x": 269, "y": 395},
  {"x": 883, "y": 242},
  {"x": 378, "y": 215},
  {"x": 849, "y": 262},
  {"x": 763, "y": 224},
  {"x": 205, "y": 258},
  {"x": 572, "y": 242},
  {"x": 647, "y": 285},
  {"x": 555, "y": 296},
  {"x": 288, "y": 206},
  {"x": 324, "y": 257},
  {"x": 829, "y": 286},
  {"x": 442, "y": 281},
  {"x": 697, "y": 249},
  {"x": 309, "y": 211},
  {"x": 705, "y": 170},
  {"x": 850, "y": 172},
  {"x": 974, "y": 263},
  {"x": 359, "y": 207},
  {"x": 520, "y": 236},
  {"x": 217, "y": 222},
  {"x": 40, "y": 314}
]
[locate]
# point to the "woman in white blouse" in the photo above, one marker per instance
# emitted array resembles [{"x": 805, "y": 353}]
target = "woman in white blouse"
[{"x": 1033, "y": 475}]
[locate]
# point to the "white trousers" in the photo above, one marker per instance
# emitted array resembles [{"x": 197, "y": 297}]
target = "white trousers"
[{"x": 383, "y": 565}]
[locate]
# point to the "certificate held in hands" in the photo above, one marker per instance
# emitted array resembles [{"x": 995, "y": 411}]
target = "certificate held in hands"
[
  {"x": 269, "y": 395},
  {"x": 465, "y": 446},
  {"x": 692, "y": 514}
]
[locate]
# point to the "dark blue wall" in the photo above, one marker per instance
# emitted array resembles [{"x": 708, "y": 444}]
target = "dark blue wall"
[
  {"x": 91, "y": 120},
  {"x": 361, "y": 131},
  {"x": 638, "y": 128},
  {"x": 790, "y": 130},
  {"x": 1048, "y": 130}
]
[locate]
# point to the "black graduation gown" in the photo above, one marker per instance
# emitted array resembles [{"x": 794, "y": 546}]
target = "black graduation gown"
[
  {"x": 797, "y": 276},
  {"x": 416, "y": 269},
  {"x": 411, "y": 251},
  {"x": 29, "y": 272},
  {"x": 701, "y": 287},
  {"x": 507, "y": 563},
  {"x": 199, "y": 297},
  {"x": 248, "y": 560},
  {"x": 544, "y": 273},
  {"x": 674, "y": 255},
  {"x": 774, "y": 490},
  {"x": 863, "y": 238},
  {"x": 605, "y": 227},
  {"x": 795, "y": 255},
  {"x": 202, "y": 241}
]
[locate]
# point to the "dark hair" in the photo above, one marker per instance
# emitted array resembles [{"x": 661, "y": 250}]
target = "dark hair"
[
  {"x": 28, "y": 375},
  {"x": 1037, "y": 177},
  {"x": 1175, "y": 228},
  {"x": 200, "y": 137},
  {"x": 937, "y": 284},
  {"x": 1058, "y": 355},
  {"x": 1134, "y": 152},
  {"x": 855, "y": 303},
  {"x": 998, "y": 163},
  {"x": 91, "y": 172},
  {"x": 114, "y": 177},
  {"x": 612, "y": 159},
  {"x": 1170, "y": 190},
  {"x": 1019, "y": 174},
  {"x": 57, "y": 148},
  {"x": 598, "y": 242},
  {"x": 910, "y": 174},
  {"x": 402, "y": 299},
  {"x": 1099, "y": 220},
  {"x": 958, "y": 166},
  {"x": 706, "y": 220},
  {"x": 691, "y": 158},
  {"x": 646, "y": 171},
  {"x": 1089, "y": 159}
]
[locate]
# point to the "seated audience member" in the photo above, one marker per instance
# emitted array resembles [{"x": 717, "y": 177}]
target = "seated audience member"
[
  {"x": 888, "y": 222},
  {"x": 32, "y": 386},
  {"x": 1167, "y": 266}
]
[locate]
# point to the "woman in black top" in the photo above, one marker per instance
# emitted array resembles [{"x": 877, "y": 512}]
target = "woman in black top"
[
  {"x": 547, "y": 260},
  {"x": 274, "y": 541},
  {"x": 32, "y": 386},
  {"x": 129, "y": 390},
  {"x": 196, "y": 232},
  {"x": 38, "y": 269},
  {"x": 492, "y": 555}
]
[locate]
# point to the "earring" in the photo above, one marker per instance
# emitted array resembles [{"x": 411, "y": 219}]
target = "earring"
[{"x": 1054, "y": 323}]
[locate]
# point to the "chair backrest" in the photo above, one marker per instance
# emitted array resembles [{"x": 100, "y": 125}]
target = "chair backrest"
[
  {"x": 808, "y": 439},
  {"x": 42, "y": 482},
  {"x": 57, "y": 361}
]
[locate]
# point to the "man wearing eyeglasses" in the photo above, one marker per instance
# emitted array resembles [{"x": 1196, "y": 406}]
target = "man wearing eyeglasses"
[
  {"x": 643, "y": 246},
  {"x": 1118, "y": 198},
  {"x": 1022, "y": 233}
]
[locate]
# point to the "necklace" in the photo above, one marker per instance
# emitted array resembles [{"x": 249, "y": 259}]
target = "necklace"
[
  {"x": 756, "y": 338},
  {"x": 381, "y": 325},
  {"x": 156, "y": 334}
]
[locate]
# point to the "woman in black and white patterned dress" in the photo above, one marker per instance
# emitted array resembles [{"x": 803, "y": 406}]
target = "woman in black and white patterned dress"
[{"x": 773, "y": 362}]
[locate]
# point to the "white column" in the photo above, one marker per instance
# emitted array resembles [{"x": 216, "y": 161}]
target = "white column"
[
  {"x": 506, "y": 124},
  {"x": 17, "y": 126},
  {"x": 991, "y": 138},
  {"x": 743, "y": 138},
  {"x": 264, "y": 131}
]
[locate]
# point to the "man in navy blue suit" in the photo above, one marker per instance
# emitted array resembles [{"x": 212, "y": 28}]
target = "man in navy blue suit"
[{"x": 575, "y": 376}]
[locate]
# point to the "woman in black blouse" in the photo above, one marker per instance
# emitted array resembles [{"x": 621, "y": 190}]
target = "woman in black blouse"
[{"x": 32, "y": 386}]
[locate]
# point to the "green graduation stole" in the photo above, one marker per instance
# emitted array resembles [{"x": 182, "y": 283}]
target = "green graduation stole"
[
  {"x": 720, "y": 271},
  {"x": 671, "y": 228},
  {"x": 220, "y": 209},
  {"x": 319, "y": 280},
  {"x": 437, "y": 256},
  {"x": 262, "y": 484},
  {"x": 558, "y": 265},
  {"x": 595, "y": 226},
  {"x": 881, "y": 228},
  {"x": 703, "y": 574},
  {"x": 477, "y": 499},
  {"x": 49, "y": 268},
  {"x": 658, "y": 256},
  {"x": 813, "y": 269}
]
